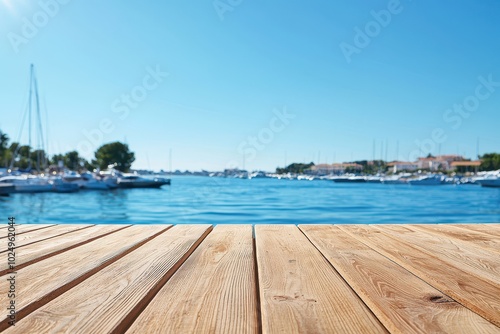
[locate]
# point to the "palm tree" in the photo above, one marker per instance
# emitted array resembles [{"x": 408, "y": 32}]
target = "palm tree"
[{"x": 4, "y": 141}]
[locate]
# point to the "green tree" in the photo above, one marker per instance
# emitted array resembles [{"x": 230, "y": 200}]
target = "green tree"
[
  {"x": 114, "y": 153},
  {"x": 39, "y": 159},
  {"x": 490, "y": 161},
  {"x": 297, "y": 168},
  {"x": 4, "y": 142},
  {"x": 56, "y": 158}
]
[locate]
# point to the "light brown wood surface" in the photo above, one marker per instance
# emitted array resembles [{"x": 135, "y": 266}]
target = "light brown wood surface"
[
  {"x": 41, "y": 282},
  {"x": 403, "y": 302},
  {"x": 479, "y": 239},
  {"x": 467, "y": 257},
  {"x": 118, "y": 292},
  {"x": 20, "y": 229},
  {"x": 266, "y": 279},
  {"x": 480, "y": 296},
  {"x": 213, "y": 292},
  {"x": 46, "y": 248},
  {"x": 35, "y": 236},
  {"x": 299, "y": 290},
  {"x": 493, "y": 230}
]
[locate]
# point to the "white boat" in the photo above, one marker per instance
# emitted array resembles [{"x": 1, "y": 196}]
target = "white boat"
[
  {"x": 132, "y": 180},
  {"x": 349, "y": 179},
  {"x": 428, "y": 180},
  {"x": 61, "y": 186},
  {"x": 490, "y": 179},
  {"x": 87, "y": 181},
  {"x": 28, "y": 184},
  {"x": 374, "y": 179},
  {"x": 394, "y": 179}
]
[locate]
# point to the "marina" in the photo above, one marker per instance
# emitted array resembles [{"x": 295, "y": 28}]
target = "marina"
[{"x": 256, "y": 279}]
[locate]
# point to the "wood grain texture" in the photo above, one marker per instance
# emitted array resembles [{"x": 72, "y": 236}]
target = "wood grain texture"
[
  {"x": 401, "y": 301},
  {"x": 299, "y": 290},
  {"x": 43, "y": 281},
  {"x": 20, "y": 229},
  {"x": 118, "y": 292},
  {"x": 213, "y": 292},
  {"x": 493, "y": 230},
  {"x": 479, "y": 239},
  {"x": 481, "y": 296},
  {"x": 469, "y": 258},
  {"x": 44, "y": 249},
  {"x": 39, "y": 235}
]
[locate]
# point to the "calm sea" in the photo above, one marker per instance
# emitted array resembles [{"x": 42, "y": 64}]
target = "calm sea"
[{"x": 193, "y": 200}]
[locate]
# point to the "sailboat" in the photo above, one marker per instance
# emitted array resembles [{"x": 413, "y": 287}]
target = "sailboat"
[{"x": 31, "y": 183}]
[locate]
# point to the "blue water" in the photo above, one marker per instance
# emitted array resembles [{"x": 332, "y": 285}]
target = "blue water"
[{"x": 193, "y": 200}]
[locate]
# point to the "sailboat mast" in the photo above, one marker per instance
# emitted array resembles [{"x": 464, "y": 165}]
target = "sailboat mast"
[
  {"x": 29, "y": 116},
  {"x": 40, "y": 131}
]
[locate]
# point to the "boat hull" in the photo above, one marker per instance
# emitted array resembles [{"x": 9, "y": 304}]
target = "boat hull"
[
  {"x": 495, "y": 183},
  {"x": 143, "y": 184},
  {"x": 6, "y": 189}
]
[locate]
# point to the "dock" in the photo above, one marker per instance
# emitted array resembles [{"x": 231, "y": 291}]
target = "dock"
[{"x": 432, "y": 278}]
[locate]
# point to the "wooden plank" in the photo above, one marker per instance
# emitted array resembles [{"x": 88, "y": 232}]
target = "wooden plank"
[
  {"x": 406, "y": 304},
  {"x": 20, "y": 229},
  {"x": 300, "y": 291},
  {"x": 481, "y": 296},
  {"x": 43, "y": 281},
  {"x": 214, "y": 291},
  {"x": 470, "y": 259},
  {"x": 479, "y": 239},
  {"x": 493, "y": 230},
  {"x": 39, "y": 235},
  {"x": 44, "y": 249},
  {"x": 118, "y": 292}
]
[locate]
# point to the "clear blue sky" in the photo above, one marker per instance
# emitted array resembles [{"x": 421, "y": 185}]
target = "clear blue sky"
[{"x": 231, "y": 68}]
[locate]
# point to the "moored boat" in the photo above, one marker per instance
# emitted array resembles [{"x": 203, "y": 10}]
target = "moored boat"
[
  {"x": 428, "y": 180},
  {"x": 132, "y": 180},
  {"x": 27, "y": 184},
  {"x": 490, "y": 179}
]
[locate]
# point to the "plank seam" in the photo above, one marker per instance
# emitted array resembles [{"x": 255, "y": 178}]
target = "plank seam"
[
  {"x": 345, "y": 281},
  {"x": 257, "y": 283},
  {"x": 54, "y": 236},
  {"x": 421, "y": 276},
  {"x": 46, "y": 256},
  {"x": 132, "y": 316},
  {"x": 36, "y": 229}
]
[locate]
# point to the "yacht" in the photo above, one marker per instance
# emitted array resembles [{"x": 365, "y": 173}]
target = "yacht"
[
  {"x": 61, "y": 186},
  {"x": 133, "y": 180},
  {"x": 428, "y": 180},
  {"x": 349, "y": 179},
  {"x": 490, "y": 179},
  {"x": 27, "y": 184},
  {"x": 86, "y": 181},
  {"x": 394, "y": 179}
]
